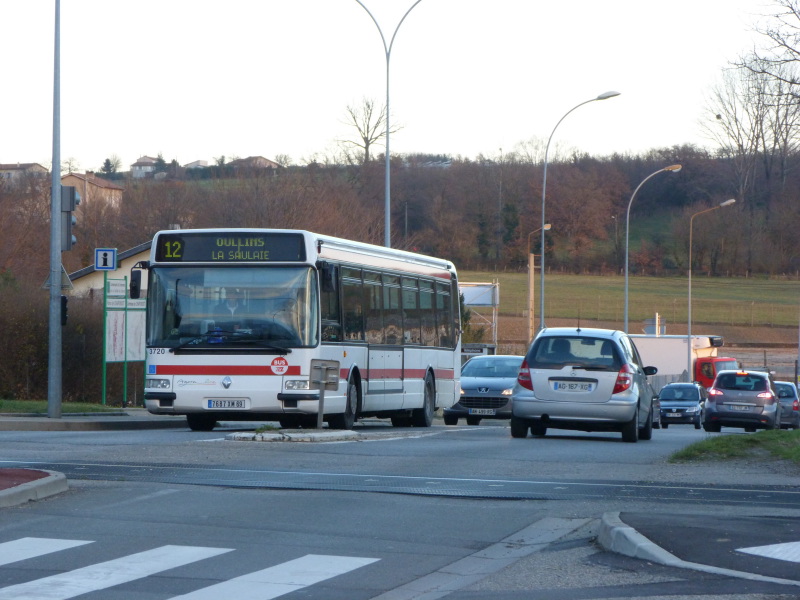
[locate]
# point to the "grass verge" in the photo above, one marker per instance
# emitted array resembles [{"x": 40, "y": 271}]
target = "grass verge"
[
  {"x": 40, "y": 406},
  {"x": 783, "y": 444}
]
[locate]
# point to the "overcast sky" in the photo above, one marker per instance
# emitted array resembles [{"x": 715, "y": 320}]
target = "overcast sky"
[{"x": 198, "y": 79}]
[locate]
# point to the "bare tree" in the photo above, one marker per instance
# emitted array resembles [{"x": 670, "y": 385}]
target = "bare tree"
[
  {"x": 782, "y": 31},
  {"x": 370, "y": 125}
]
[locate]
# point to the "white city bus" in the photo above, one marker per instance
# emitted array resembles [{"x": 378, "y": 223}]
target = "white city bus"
[{"x": 235, "y": 317}]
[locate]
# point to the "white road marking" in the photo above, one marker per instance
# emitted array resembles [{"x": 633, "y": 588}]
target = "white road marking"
[
  {"x": 281, "y": 579},
  {"x": 789, "y": 551},
  {"x": 108, "y": 574},
  {"x": 31, "y": 547}
]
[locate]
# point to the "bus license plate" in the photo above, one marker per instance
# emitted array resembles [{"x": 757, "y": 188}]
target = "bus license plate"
[
  {"x": 240, "y": 404},
  {"x": 572, "y": 386},
  {"x": 482, "y": 411}
]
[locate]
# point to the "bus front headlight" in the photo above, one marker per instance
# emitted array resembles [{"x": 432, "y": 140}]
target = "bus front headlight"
[
  {"x": 297, "y": 384},
  {"x": 158, "y": 384}
]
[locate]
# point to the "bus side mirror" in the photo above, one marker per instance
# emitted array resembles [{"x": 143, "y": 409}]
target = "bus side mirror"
[{"x": 136, "y": 284}]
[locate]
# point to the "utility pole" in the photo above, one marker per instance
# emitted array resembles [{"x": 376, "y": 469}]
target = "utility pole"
[{"x": 54, "y": 321}]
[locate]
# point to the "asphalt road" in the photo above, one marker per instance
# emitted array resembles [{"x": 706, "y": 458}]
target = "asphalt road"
[{"x": 466, "y": 512}]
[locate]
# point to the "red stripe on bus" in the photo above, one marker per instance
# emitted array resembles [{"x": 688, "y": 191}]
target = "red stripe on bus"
[
  {"x": 378, "y": 374},
  {"x": 223, "y": 370}
]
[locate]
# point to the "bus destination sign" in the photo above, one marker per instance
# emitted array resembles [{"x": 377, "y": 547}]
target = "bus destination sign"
[{"x": 238, "y": 247}]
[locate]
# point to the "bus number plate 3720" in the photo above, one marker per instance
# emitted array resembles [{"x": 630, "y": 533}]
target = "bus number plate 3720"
[{"x": 239, "y": 404}]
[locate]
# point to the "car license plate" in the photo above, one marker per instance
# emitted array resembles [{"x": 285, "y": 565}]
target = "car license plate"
[
  {"x": 737, "y": 407},
  {"x": 673, "y": 414},
  {"x": 239, "y": 404},
  {"x": 482, "y": 411},
  {"x": 573, "y": 386}
]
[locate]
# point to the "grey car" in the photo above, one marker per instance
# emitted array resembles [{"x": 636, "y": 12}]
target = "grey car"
[
  {"x": 682, "y": 403},
  {"x": 790, "y": 405},
  {"x": 746, "y": 399},
  {"x": 486, "y": 386},
  {"x": 585, "y": 380}
]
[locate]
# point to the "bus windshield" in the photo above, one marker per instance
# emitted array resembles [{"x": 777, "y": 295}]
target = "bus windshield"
[{"x": 216, "y": 307}]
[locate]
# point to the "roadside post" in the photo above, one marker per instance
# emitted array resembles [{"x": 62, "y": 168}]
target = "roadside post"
[{"x": 324, "y": 375}]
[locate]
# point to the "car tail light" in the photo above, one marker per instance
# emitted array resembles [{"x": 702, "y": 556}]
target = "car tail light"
[
  {"x": 524, "y": 376},
  {"x": 624, "y": 379}
]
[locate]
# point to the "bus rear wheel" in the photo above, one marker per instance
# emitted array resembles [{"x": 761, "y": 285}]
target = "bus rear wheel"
[
  {"x": 423, "y": 417},
  {"x": 201, "y": 422}
]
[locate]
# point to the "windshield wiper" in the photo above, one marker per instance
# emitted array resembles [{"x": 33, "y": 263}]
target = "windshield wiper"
[
  {"x": 211, "y": 337},
  {"x": 259, "y": 342}
]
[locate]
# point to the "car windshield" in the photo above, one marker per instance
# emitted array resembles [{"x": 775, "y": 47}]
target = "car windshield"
[
  {"x": 680, "y": 393},
  {"x": 551, "y": 352},
  {"x": 491, "y": 367}
]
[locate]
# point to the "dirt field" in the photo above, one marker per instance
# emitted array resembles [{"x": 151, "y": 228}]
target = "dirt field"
[{"x": 775, "y": 347}]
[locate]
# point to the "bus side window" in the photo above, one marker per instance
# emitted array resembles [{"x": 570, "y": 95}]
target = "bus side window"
[
  {"x": 330, "y": 313},
  {"x": 373, "y": 307},
  {"x": 444, "y": 324},
  {"x": 427, "y": 314},
  {"x": 353, "y": 310},
  {"x": 411, "y": 316},
  {"x": 392, "y": 315}
]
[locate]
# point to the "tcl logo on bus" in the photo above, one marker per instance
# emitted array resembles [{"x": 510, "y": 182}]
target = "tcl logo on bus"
[{"x": 280, "y": 366}]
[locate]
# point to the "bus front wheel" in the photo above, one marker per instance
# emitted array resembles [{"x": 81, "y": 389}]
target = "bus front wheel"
[
  {"x": 201, "y": 422},
  {"x": 346, "y": 419}
]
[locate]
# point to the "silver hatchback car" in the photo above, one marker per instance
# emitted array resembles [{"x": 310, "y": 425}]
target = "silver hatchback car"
[
  {"x": 790, "y": 404},
  {"x": 745, "y": 399},
  {"x": 585, "y": 380}
]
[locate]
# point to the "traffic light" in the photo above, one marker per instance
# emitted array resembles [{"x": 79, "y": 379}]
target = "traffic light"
[
  {"x": 64, "y": 313},
  {"x": 70, "y": 199}
]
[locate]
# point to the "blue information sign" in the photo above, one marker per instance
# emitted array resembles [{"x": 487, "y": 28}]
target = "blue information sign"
[{"x": 105, "y": 259}]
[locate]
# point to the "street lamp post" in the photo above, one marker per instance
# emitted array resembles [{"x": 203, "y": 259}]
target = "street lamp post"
[
  {"x": 673, "y": 169},
  {"x": 603, "y": 96},
  {"x": 387, "y": 218},
  {"x": 689, "y": 305},
  {"x": 531, "y": 279}
]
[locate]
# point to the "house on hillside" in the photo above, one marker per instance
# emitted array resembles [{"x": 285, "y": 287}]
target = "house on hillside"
[
  {"x": 16, "y": 172},
  {"x": 143, "y": 167},
  {"x": 252, "y": 165},
  {"x": 93, "y": 188},
  {"x": 196, "y": 164}
]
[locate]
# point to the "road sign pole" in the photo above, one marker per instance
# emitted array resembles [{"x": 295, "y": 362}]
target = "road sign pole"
[
  {"x": 105, "y": 332},
  {"x": 323, "y": 375}
]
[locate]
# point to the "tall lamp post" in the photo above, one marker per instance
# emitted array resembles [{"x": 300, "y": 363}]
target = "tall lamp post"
[
  {"x": 673, "y": 169},
  {"x": 603, "y": 96},
  {"x": 531, "y": 280},
  {"x": 387, "y": 218},
  {"x": 689, "y": 309}
]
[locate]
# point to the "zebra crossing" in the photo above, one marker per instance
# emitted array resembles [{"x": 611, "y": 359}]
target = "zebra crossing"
[{"x": 264, "y": 584}]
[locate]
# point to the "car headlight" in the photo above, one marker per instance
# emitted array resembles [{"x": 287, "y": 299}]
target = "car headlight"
[
  {"x": 297, "y": 384},
  {"x": 158, "y": 384}
]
